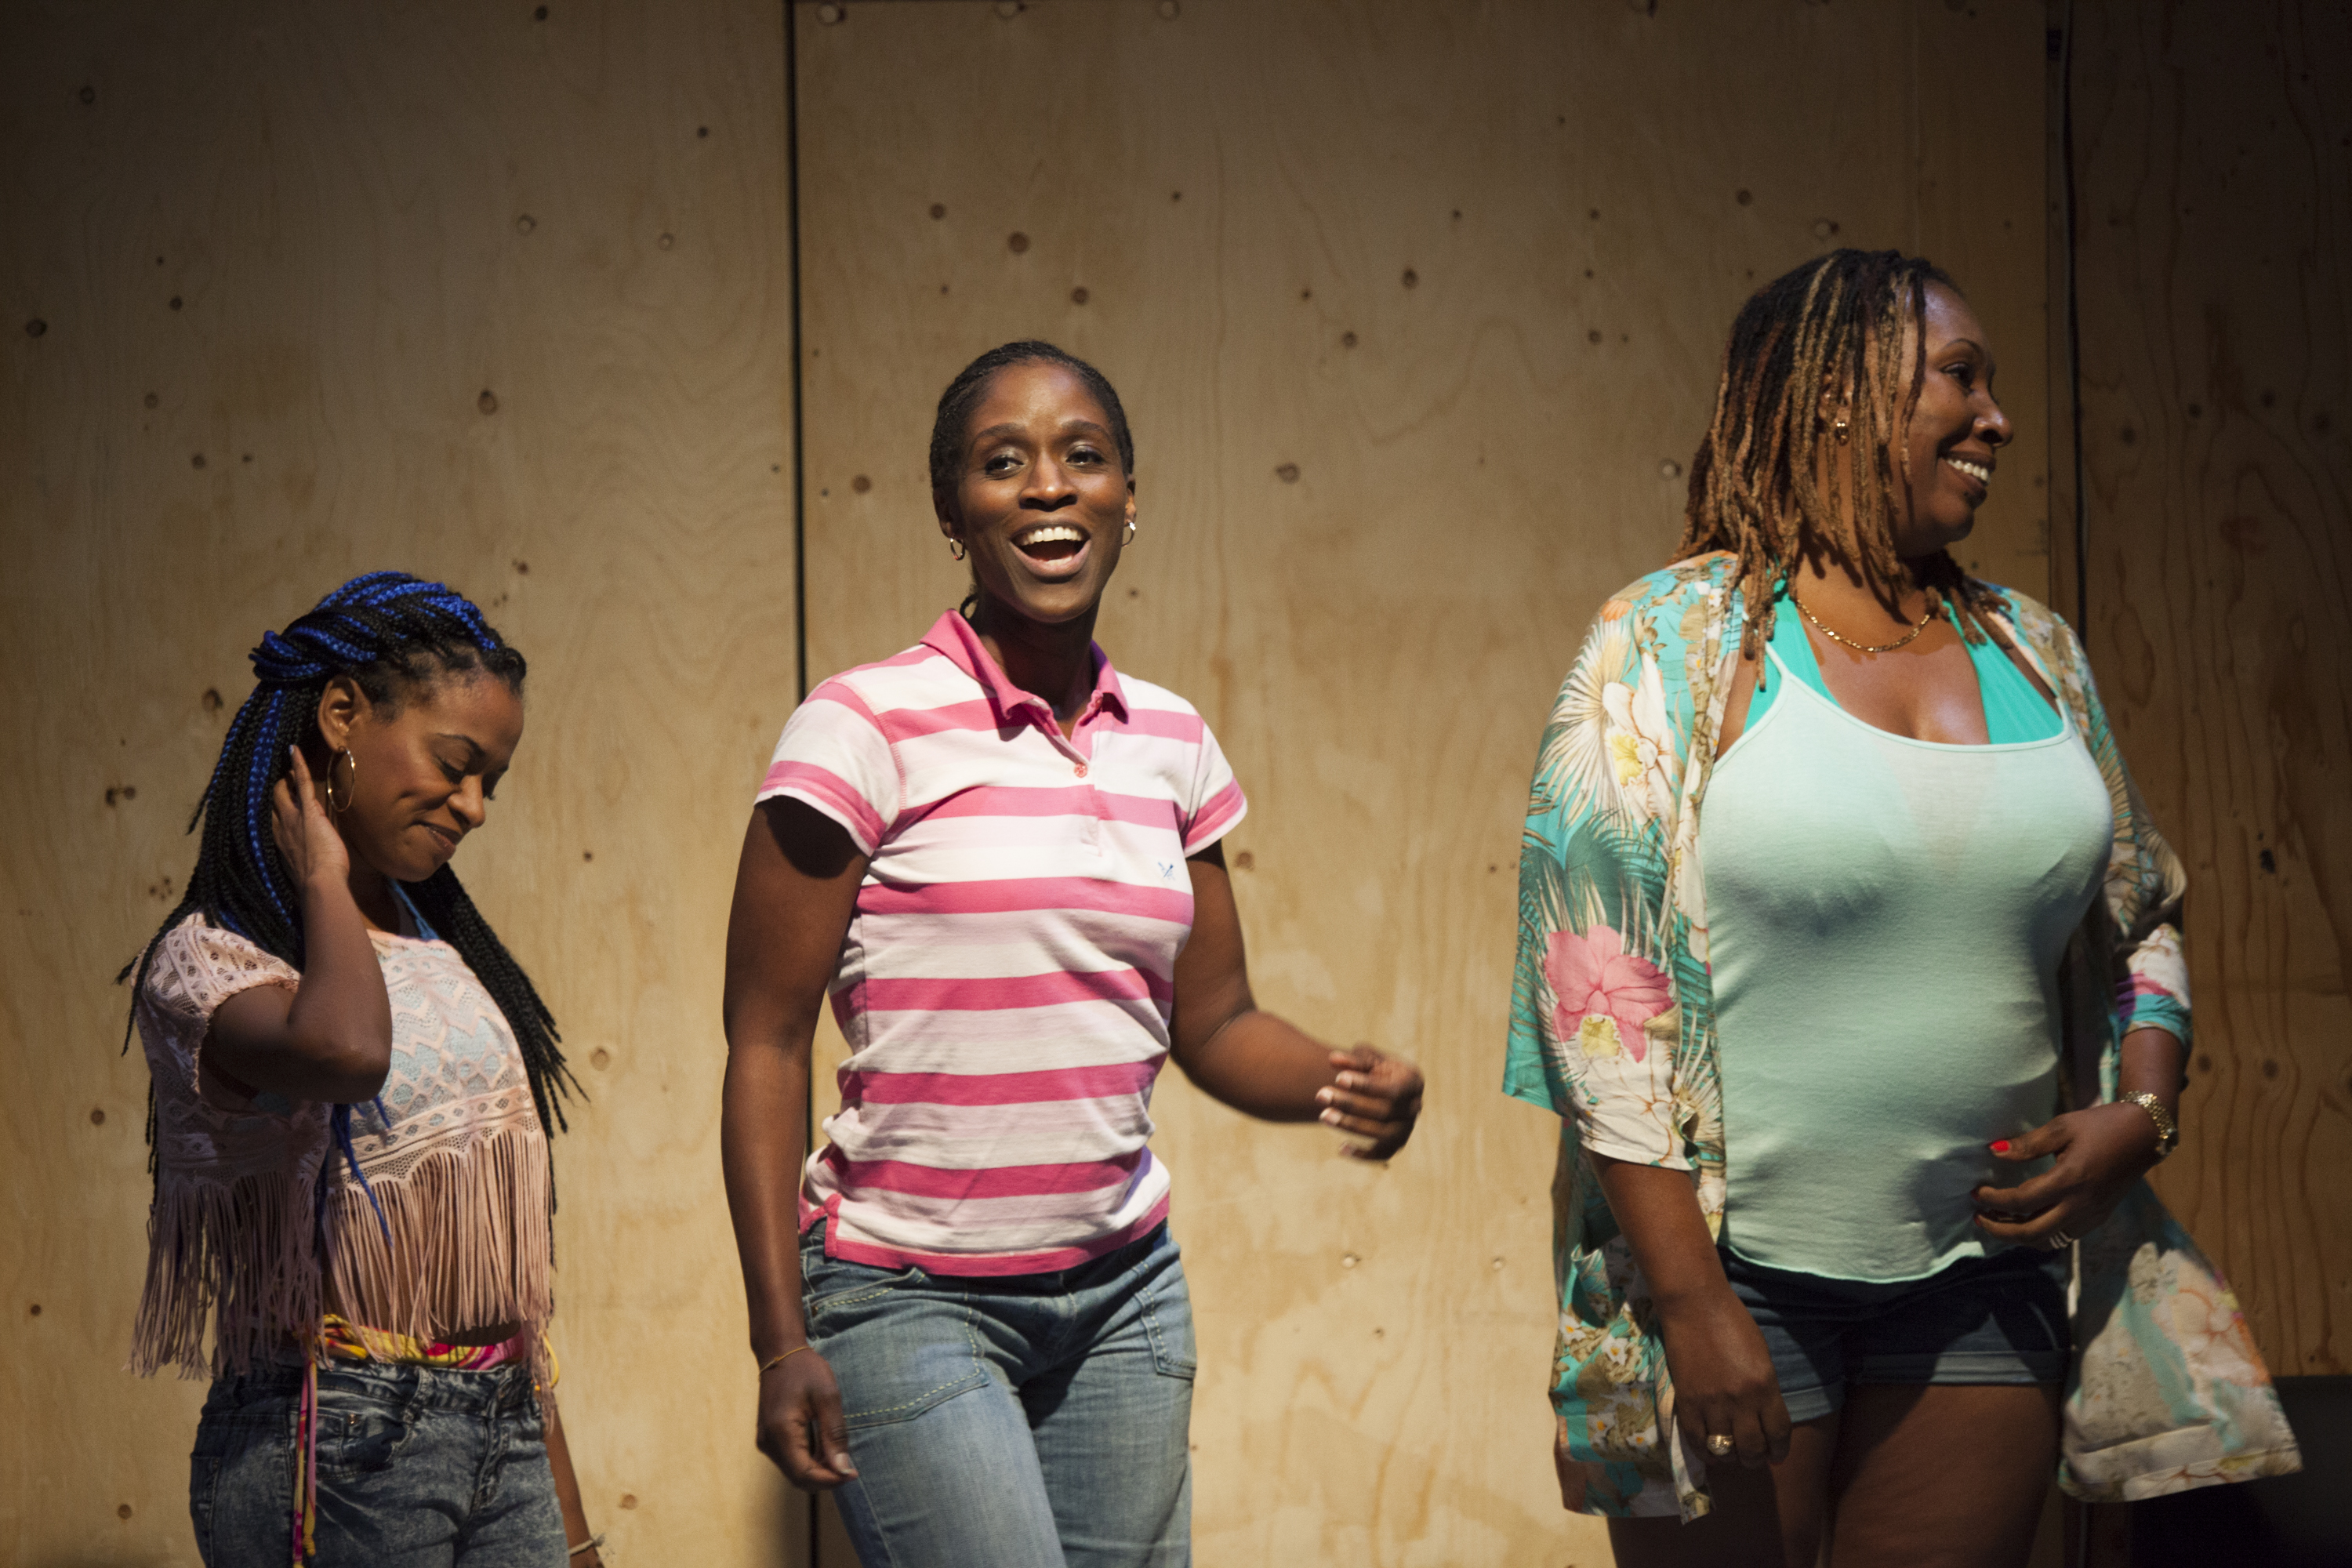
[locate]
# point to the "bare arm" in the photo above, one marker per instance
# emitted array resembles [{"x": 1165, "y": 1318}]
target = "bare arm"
[
  {"x": 567, "y": 1491},
  {"x": 1723, "y": 1382},
  {"x": 1264, "y": 1066},
  {"x": 331, "y": 1039},
  {"x": 795, "y": 888}
]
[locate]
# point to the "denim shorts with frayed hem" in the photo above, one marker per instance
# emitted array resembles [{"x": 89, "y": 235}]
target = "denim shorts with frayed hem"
[{"x": 1999, "y": 1319}]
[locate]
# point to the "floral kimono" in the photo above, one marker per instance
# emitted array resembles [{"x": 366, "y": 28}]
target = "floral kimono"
[{"x": 1612, "y": 1028}]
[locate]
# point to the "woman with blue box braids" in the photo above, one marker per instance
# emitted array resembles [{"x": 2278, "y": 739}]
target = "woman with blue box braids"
[{"x": 351, "y": 1085}]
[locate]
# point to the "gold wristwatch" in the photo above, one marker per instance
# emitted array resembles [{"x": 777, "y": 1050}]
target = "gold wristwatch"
[{"x": 2167, "y": 1130}]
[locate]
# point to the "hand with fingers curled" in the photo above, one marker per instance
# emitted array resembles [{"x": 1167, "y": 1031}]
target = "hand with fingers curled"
[
  {"x": 2098, "y": 1154},
  {"x": 801, "y": 1430},
  {"x": 1374, "y": 1096},
  {"x": 1727, "y": 1395},
  {"x": 306, "y": 836}
]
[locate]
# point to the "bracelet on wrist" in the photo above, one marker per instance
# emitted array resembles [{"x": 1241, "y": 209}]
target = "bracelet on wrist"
[
  {"x": 593, "y": 1543},
  {"x": 2168, "y": 1130},
  {"x": 779, "y": 1360}
]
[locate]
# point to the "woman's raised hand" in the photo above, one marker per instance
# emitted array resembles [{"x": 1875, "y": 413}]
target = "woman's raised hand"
[
  {"x": 800, "y": 1424},
  {"x": 305, "y": 833},
  {"x": 2100, "y": 1152},
  {"x": 1376, "y": 1096}
]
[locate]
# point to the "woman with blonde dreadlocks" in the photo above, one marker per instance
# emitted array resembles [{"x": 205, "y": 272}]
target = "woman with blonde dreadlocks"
[
  {"x": 352, "y": 1083},
  {"x": 1842, "y": 1110}
]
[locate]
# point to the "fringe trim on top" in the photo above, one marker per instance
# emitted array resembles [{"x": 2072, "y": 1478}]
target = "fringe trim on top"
[
  {"x": 237, "y": 1254},
  {"x": 469, "y": 1241},
  {"x": 469, "y": 1245}
]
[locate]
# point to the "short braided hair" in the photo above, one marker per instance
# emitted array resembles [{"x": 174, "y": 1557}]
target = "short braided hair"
[
  {"x": 390, "y": 633},
  {"x": 1838, "y": 322},
  {"x": 963, "y": 394}
]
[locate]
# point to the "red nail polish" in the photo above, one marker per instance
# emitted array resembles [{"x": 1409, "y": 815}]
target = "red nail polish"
[{"x": 2002, "y": 1147}]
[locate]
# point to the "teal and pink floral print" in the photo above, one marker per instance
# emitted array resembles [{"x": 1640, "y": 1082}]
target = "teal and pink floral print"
[{"x": 1613, "y": 1030}]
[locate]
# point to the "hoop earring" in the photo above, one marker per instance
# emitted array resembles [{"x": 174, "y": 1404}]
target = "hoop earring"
[
  {"x": 1128, "y": 537},
  {"x": 344, "y": 805},
  {"x": 955, "y": 548},
  {"x": 1839, "y": 430}
]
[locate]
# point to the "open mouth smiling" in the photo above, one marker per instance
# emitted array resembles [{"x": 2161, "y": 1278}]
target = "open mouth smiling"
[
  {"x": 1055, "y": 546},
  {"x": 1980, "y": 472}
]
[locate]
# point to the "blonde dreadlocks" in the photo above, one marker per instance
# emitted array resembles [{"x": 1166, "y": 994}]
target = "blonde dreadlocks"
[{"x": 1842, "y": 321}]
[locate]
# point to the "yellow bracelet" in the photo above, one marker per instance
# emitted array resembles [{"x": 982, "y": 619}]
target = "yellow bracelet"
[{"x": 779, "y": 1360}]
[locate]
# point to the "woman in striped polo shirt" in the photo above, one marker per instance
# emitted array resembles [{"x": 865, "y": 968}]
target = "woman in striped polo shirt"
[{"x": 1002, "y": 859}]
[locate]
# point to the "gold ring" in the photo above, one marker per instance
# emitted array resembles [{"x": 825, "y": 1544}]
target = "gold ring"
[{"x": 1718, "y": 1445}]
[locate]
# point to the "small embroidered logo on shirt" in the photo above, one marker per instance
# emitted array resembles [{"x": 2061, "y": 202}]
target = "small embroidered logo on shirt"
[{"x": 1167, "y": 869}]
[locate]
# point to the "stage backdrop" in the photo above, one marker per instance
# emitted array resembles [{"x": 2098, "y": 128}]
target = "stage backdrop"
[
  {"x": 2213, "y": 214},
  {"x": 1417, "y": 309},
  {"x": 498, "y": 294}
]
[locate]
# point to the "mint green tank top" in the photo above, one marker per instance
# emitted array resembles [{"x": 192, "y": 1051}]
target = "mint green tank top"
[{"x": 1886, "y": 918}]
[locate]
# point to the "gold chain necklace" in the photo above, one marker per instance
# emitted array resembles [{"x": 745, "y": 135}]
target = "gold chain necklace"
[{"x": 1933, "y": 609}]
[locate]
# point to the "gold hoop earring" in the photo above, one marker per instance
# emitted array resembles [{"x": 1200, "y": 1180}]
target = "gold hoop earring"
[
  {"x": 955, "y": 548},
  {"x": 1128, "y": 537},
  {"x": 344, "y": 805}
]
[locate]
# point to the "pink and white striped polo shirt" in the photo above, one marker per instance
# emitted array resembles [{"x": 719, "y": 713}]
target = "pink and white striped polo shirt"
[{"x": 1007, "y": 978}]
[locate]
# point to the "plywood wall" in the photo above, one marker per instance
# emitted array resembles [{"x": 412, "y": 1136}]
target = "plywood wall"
[
  {"x": 2214, "y": 217},
  {"x": 494, "y": 293},
  {"x": 1417, "y": 310}
]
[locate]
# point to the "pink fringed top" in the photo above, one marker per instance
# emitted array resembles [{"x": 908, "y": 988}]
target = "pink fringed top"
[{"x": 452, "y": 1150}]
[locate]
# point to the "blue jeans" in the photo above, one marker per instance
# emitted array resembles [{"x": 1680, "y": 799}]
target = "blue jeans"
[
  {"x": 418, "y": 1467},
  {"x": 1021, "y": 1421}
]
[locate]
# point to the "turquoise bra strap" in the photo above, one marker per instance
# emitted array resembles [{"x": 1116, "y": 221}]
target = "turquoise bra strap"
[{"x": 2014, "y": 711}]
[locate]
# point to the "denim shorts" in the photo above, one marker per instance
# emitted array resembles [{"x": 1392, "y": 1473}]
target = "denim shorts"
[
  {"x": 418, "y": 1467},
  {"x": 1999, "y": 1319}
]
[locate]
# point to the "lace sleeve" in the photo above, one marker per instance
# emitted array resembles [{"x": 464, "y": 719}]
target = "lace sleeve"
[{"x": 196, "y": 968}]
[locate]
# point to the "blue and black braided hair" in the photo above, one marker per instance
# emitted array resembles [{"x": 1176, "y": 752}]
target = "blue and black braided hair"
[{"x": 390, "y": 633}]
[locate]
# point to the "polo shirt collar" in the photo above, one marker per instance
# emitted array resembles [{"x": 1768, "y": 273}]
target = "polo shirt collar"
[{"x": 952, "y": 636}]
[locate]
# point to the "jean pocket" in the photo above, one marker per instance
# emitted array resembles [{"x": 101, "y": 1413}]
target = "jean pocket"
[
  {"x": 358, "y": 1437},
  {"x": 832, "y": 1284},
  {"x": 1168, "y": 1318}
]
